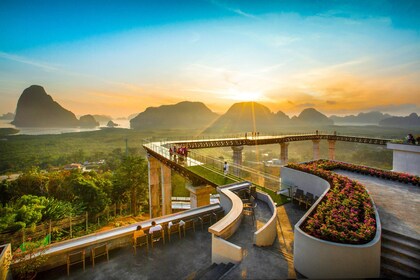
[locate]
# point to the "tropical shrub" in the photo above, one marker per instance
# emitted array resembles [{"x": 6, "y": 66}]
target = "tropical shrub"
[{"x": 345, "y": 214}]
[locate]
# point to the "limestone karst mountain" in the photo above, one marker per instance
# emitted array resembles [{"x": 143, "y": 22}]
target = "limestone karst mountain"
[
  {"x": 412, "y": 120},
  {"x": 111, "y": 124},
  {"x": 373, "y": 117},
  {"x": 88, "y": 121},
  {"x": 35, "y": 108},
  {"x": 183, "y": 115},
  {"x": 310, "y": 116},
  {"x": 7, "y": 116},
  {"x": 246, "y": 116}
]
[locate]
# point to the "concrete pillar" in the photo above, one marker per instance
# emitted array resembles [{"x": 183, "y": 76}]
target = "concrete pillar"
[
  {"x": 237, "y": 158},
  {"x": 316, "y": 148},
  {"x": 165, "y": 176},
  {"x": 154, "y": 190},
  {"x": 284, "y": 153},
  {"x": 331, "y": 149},
  {"x": 200, "y": 195}
]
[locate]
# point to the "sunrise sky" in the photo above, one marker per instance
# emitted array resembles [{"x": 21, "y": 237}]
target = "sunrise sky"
[{"x": 119, "y": 57}]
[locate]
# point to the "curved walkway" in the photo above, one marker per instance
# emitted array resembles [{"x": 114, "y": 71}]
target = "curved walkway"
[
  {"x": 258, "y": 262},
  {"x": 398, "y": 204}
]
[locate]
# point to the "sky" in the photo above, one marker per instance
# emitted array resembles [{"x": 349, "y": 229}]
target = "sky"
[{"x": 119, "y": 57}]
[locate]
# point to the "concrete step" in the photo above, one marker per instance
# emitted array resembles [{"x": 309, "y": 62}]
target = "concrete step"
[
  {"x": 215, "y": 273},
  {"x": 401, "y": 252},
  {"x": 400, "y": 255},
  {"x": 404, "y": 242},
  {"x": 401, "y": 263},
  {"x": 386, "y": 233},
  {"x": 230, "y": 266},
  {"x": 391, "y": 272},
  {"x": 202, "y": 272}
]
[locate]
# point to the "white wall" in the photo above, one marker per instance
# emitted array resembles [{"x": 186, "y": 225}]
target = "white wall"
[
  {"x": 406, "y": 158},
  {"x": 316, "y": 258},
  {"x": 266, "y": 235},
  {"x": 307, "y": 182},
  {"x": 223, "y": 251}
]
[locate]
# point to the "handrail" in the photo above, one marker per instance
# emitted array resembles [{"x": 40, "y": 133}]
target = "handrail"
[{"x": 194, "y": 159}]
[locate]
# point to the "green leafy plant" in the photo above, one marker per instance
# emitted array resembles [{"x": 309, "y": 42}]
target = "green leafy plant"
[{"x": 27, "y": 260}]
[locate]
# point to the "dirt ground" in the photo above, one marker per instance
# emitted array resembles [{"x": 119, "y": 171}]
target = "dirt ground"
[{"x": 124, "y": 221}]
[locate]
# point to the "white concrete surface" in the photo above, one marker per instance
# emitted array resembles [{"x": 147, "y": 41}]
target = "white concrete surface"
[
  {"x": 223, "y": 251},
  {"x": 267, "y": 234},
  {"x": 406, "y": 158},
  {"x": 316, "y": 258}
]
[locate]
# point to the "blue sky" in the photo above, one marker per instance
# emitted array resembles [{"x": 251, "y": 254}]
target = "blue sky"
[{"x": 119, "y": 57}]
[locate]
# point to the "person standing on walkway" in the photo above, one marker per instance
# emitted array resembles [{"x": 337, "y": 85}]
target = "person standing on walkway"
[{"x": 225, "y": 168}]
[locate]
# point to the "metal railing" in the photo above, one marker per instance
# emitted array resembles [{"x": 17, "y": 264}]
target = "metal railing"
[{"x": 235, "y": 172}]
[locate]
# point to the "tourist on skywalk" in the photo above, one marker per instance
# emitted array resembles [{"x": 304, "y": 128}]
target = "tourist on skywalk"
[
  {"x": 170, "y": 153},
  {"x": 225, "y": 168},
  {"x": 410, "y": 139}
]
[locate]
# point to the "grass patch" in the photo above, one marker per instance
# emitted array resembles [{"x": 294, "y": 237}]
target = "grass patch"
[
  {"x": 211, "y": 175},
  {"x": 208, "y": 173}
]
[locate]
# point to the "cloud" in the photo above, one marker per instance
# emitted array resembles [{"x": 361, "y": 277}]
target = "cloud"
[
  {"x": 330, "y": 102},
  {"x": 306, "y": 105},
  {"x": 45, "y": 66},
  {"x": 234, "y": 10}
]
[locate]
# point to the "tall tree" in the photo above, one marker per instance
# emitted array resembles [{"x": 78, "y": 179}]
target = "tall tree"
[{"x": 131, "y": 176}]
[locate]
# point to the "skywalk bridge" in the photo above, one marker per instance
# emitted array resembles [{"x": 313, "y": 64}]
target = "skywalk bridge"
[{"x": 205, "y": 172}]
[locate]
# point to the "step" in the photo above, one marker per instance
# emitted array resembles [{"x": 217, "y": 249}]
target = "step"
[
  {"x": 215, "y": 273},
  {"x": 391, "y": 272},
  {"x": 201, "y": 272},
  {"x": 401, "y": 263},
  {"x": 408, "y": 244},
  {"x": 407, "y": 238},
  {"x": 400, "y": 252},
  {"x": 228, "y": 268}
]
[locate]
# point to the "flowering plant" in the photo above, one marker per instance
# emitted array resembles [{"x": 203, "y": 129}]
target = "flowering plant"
[
  {"x": 345, "y": 214},
  {"x": 390, "y": 175}
]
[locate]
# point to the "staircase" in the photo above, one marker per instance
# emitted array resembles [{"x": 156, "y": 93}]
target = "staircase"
[
  {"x": 214, "y": 271},
  {"x": 400, "y": 256}
]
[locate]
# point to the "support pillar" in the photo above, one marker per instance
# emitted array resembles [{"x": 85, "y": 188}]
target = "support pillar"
[
  {"x": 200, "y": 195},
  {"x": 237, "y": 158},
  {"x": 165, "y": 176},
  {"x": 316, "y": 148},
  {"x": 331, "y": 149},
  {"x": 284, "y": 153},
  {"x": 154, "y": 190}
]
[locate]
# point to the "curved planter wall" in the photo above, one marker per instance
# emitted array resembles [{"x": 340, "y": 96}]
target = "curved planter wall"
[
  {"x": 266, "y": 235},
  {"x": 316, "y": 258},
  {"x": 221, "y": 249}
]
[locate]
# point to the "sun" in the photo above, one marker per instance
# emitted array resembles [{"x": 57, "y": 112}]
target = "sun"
[{"x": 240, "y": 95}]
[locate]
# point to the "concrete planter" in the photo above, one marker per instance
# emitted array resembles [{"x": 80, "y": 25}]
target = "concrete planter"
[
  {"x": 316, "y": 258},
  {"x": 266, "y": 235}
]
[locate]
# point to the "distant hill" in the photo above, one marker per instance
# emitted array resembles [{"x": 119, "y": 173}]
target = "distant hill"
[
  {"x": 373, "y": 117},
  {"x": 102, "y": 118},
  {"x": 88, "y": 121},
  {"x": 246, "y": 116},
  {"x": 7, "y": 116},
  {"x": 412, "y": 120},
  {"x": 310, "y": 116},
  {"x": 35, "y": 108},
  {"x": 183, "y": 115}
]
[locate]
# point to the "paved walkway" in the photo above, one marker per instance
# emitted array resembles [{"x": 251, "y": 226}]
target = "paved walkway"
[
  {"x": 272, "y": 262},
  {"x": 175, "y": 260},
  {"x": 398, "y": 203},
  {"x": 182, "y": 259}
]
